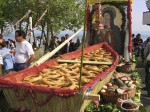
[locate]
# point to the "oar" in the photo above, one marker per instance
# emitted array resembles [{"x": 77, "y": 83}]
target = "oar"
[
  {"x": 84, "y": 62},
  {"x": 50, "y": 54}
]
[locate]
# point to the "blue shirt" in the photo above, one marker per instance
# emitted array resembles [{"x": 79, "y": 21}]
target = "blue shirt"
[{"x": 8, "y": 59}]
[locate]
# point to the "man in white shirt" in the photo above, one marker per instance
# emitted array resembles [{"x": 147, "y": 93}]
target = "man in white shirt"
[
  {"x": 1, "y": 63},
  {"x": 1, "y": 59},
  {"x": 24, "y": 53}
]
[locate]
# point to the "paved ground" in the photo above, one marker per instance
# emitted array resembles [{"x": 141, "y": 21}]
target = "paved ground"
[{"x": 145, "y": 100}]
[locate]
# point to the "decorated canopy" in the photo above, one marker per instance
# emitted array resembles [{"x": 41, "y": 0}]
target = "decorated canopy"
[{"x": 95, "y": 1}]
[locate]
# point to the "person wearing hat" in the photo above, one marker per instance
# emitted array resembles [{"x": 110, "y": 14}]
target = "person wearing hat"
[{"x": 147, "y": 66}]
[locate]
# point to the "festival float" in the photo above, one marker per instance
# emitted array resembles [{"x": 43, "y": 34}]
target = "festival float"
[{"x": 70, "y": 82}]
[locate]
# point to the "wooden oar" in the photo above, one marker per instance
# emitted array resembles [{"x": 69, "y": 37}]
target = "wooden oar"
[{"x": 84, "y": 62}]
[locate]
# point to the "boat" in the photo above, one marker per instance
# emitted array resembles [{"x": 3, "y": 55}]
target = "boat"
[{"x": 54, "y": 99}]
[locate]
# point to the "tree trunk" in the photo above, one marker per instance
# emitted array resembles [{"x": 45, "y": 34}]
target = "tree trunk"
[
  {"x": 2, "y": 27},
  {"x": 20, "y": 25},
  {"x": 51, "y": 29},
  {"x": 42, "y": 30},
  {"x": 42, "y": 34},
  {"x": 27, "y": 28},
  {"x": 35, "y": 19},
  {"x": 45, "y": 35},
  {"x": 48, "y": 34},
  {"x": 33, "y": 36},
  {"x": 15, "y": 27}
]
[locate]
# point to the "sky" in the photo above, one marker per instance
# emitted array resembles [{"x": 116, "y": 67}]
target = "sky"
[{"x": 138, "y": 7}]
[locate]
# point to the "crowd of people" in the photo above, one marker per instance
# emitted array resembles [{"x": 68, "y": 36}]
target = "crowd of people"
[
  {"x": 18, "y": 55},
  {"x": 69, "y": 47},
  {"x": 147, "y": 65},
  {"x": 137, "y": 44},
  {"x": 15, "y": 57},
  {"x": 55, "y": 42},
  {"x": 142, "y": 49}
]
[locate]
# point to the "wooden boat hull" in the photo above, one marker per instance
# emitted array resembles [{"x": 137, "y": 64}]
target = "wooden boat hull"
[{"x": 44, "y": 99}]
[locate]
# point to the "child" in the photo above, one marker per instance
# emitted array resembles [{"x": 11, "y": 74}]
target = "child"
[{"x": 8, "y": 59}]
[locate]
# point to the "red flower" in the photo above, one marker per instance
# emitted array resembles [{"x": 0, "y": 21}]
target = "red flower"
[
  {"x": 108, "y": 85},
  {"x": 96, "y": 103},
  {"x": 104, "y": 93},
  {"x": 132, "y": 107},
  {"x": 134, "y": 83},
  {"x": 126, "y": 91}
]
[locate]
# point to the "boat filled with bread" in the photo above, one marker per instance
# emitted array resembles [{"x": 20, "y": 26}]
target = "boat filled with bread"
[{"x": 56, "y": 82}]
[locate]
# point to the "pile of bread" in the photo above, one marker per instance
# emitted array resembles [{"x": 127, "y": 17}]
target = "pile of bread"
[
  {"x": 100, "y": 55},
  {"x": 65, "y": 75}
]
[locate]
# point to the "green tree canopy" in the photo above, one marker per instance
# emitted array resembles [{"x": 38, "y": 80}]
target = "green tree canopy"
[{"x": 61, "y": 14}]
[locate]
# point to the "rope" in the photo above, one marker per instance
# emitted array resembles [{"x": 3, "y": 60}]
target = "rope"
[
  {"x": 35, "y": 98},
  {"x": 23, "y": 96},
  {"x": 129, "y": 101},
  {"x": 83, "y": 41}
]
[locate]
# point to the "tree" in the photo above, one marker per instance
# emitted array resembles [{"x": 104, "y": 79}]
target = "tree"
[
  {"x": 61, "y": 14},
  {"x": 2, "y": 17}
]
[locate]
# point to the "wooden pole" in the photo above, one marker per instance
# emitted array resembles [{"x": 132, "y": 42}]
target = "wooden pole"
[
  {"x": 37, "y": 22},
  {"x": 29, "y": 11},
  {"x": 83, "y": 41},
  {"x": 130, "y": 25},
  {"x": 50, "y": 54},
  {"x": 85, "y": 62},
  {"x": 126, "y": 50},
  {"x": 22, "y": 18},
  {"x": 92, "y": 97},
  {"x": 40, "y": 18},
  {"x": 30, "y": 29}
]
